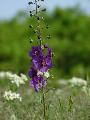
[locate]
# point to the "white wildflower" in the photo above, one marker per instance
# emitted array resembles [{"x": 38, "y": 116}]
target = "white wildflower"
[
  {"x": 4, "y": 74},
  {"x": 8, "y": 74},
  {"x": 9, "y": 95},
  {"x": 14, "y": 78},
  {"x": 24, "y": 77},
  {"x": 63, "y": 82},
  {"x": 46, "y": 74},
  {"x": 78, "y": 82}
]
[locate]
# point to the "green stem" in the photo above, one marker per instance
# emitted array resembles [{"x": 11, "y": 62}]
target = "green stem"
[{"x": 44, "y": 105}]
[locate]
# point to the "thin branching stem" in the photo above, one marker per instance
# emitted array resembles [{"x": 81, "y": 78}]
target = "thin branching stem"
[
  {"x": 38, "y": 25},
  {"x": 36, "y": 6},
  {"x": 40, "y": 43}
]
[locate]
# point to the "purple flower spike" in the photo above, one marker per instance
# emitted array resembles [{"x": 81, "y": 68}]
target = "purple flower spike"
[
  {"x": 38, "y": 82},
  {"x": 41, "y": 63}
]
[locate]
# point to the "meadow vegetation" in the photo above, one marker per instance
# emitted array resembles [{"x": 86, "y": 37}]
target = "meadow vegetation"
[{"x": 70, "y": 40}]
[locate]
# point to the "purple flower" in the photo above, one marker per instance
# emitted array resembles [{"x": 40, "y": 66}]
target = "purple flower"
[
  {"x": 32, "y": 72},
  {"x": 38, "y": 82},
  {"x": 36, "y": 52},
  {"x": 44, "y": 63},
  {"x": 49, "y": 53}
]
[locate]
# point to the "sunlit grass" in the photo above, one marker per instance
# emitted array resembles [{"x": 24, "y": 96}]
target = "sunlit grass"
[{"x": 66, "y": 103}]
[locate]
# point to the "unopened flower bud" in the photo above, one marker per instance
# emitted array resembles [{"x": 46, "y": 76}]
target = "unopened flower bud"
[
  {"x": 38, "y": 6},
  {"x": 30, "y": 3},
  {"x": 31, "y": 26},
  {"x": 31, "y": 41},
  {"x": 44, "y": 9}
]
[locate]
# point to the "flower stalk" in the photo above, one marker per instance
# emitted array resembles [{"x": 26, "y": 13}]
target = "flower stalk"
[{"x": 41, "y": 58}]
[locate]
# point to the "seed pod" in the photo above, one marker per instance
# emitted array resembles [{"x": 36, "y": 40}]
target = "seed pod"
[
  {"x": 35, "y": 31},
  {"x": 31, "y": 40},
  {"x": 38, "y": 6},
  {"x": 31, "y": 15},
  {"x": 39, "y": 37},
  {"x": 30, "y": 12},
  {"x": 46, "y": 46},
  {"x": 53, "y": 54},
  {"x": 38, "y": 18},
  {"x": 30, "y": 3},
  {"x": 30, "y": 26},
  {"x": 49, "y": 36},
  {"x": 44, "y": 9},
  {"x": 42, "y": 18},
  {"x": 47, "y": 26}
]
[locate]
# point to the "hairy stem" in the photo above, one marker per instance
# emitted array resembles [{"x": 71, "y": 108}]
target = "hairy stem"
[{"x": 44, "y": 105}]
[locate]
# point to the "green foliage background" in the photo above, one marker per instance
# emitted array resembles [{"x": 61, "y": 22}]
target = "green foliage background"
[{"x": 70, "y": 31}]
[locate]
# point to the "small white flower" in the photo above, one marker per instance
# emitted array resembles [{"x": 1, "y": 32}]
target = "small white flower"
[
  {"x": 46, "y": 74},
  {"x": 9, "y": 95},
  {"x": 78, "y": 82},
  {"x": 63, "y": 82},
  {"x": 23, "y": 77}
]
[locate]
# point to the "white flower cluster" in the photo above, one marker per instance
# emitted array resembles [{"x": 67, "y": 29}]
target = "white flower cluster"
[
  {"x": 9, "y": 95},
  {"x": 14, "y": 78},
  {"x": 78, "y": 82},
  {"x": 4, "y": 74},
  {"x": 18, "y": 79},
  {"x": 63, "y": 82}
]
